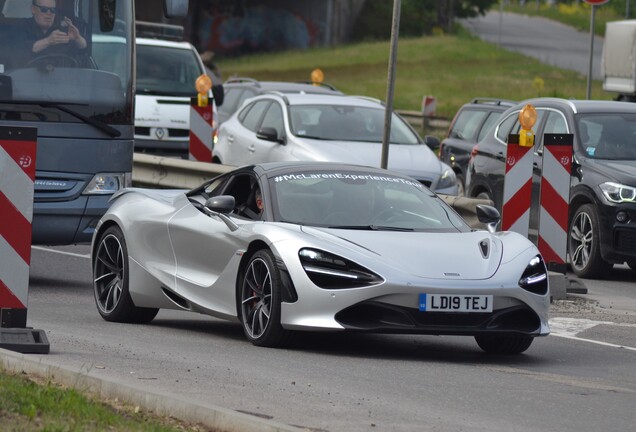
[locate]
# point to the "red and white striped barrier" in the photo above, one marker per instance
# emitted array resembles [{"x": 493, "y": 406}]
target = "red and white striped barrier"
[
  {"x": 201, "y": 129},
  {"x": 517, "y": 187},
  {"x": 17, "y": 175},
  {"x": 555, "y": 198}
]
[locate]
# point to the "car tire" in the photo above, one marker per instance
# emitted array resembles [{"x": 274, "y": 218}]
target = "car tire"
[
  {"x": 461, "y": 185},
  {"x": 584, "y": 249},
  {"x": 260, "y": 301},
  {"x": 111, "y": 281},
  {"x": 504, "y": 344}
]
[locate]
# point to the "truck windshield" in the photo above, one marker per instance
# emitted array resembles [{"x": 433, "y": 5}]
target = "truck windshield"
[{"x": 66, "y": 61}]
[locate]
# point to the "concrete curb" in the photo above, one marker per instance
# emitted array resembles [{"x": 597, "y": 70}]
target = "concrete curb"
[{"x": 86, "y": 382}]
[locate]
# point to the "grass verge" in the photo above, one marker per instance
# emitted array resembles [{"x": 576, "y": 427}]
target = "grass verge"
[
  {"x": 26, "y": 405},
  {"x": 454, "y": 69}
]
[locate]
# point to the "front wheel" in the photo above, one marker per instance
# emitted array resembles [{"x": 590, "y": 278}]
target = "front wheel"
[
  {"x": 504, "y": 344},
  {"x": 110, "y": 281},
  {"x": 260, "y": 295},
  {"x": 584, "y": 244}
]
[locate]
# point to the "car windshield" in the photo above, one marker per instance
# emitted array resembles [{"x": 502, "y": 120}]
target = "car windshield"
[
  {"x": 347, "y": 123},
  {"x": 359, "y": 200},
  {"x": 608, "y": 135},
  {"x": 166, "y": 71}
]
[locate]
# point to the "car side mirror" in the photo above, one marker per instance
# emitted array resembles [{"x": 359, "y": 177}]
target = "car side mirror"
[
  {"x": 488, "y": 215},
  {"x": 221, "y": 204},
  {"x": 432, "y": 142},
  {"x": 268, "y": 134}
]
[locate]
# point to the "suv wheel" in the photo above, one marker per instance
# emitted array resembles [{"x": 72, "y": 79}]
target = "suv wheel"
[{"x": 584, "y": 247}]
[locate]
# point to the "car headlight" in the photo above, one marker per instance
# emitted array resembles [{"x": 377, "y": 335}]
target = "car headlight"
[
  {"x": 332, "y": 272},
  {"x": 107, "y": 183},
  {"x": 535, "y": 276},
  {"x": 447, "y": 179},
  {"x": 618, "y": 193}
]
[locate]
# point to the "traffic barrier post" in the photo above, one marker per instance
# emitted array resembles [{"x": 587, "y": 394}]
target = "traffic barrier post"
[
  {"x": 517, "y": 187},
  {"x": 201, "y": 131},
  {"x": 17, "y": 176},
  {"x": 555, "y": 198}
]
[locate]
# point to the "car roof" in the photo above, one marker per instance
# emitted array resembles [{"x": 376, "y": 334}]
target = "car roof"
[
  {"x": 278, "y": 168},
  {"x": 281, "y": 86},
  {"x": 580, "y": 106},
  {"x": 491, "y": 102},
  {"x": 327, "y": 99}
]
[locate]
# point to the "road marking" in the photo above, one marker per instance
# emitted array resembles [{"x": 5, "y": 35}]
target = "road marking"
[
  {"x": 568, "y": 328},
  {"x": 45, "y": 249}
]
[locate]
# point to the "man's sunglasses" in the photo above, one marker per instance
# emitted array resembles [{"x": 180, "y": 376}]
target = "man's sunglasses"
[{"x": 45, "y": 9}]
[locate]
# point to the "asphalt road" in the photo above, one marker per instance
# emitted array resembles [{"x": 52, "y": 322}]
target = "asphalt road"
[
  {"x": 548, "y": 41},
  {"x": 581, "y": 378}
]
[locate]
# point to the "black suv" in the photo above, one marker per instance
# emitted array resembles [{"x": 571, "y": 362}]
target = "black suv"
[
  {"x": 602, "y": 211},
  {"x": 468, "y": 127},
  {"x": 239, "y": 89}
]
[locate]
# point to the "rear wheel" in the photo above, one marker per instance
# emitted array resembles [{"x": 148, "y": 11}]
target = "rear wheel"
[
  {"x": 584, "y": 244},
  {"x": 110, "y": 281},
  {"x": 260, "y": 294},
  {"x": 504, "y": 344}
]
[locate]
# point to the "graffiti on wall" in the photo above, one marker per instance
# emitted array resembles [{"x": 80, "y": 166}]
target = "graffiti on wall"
[{"x": 257, "y": 29}]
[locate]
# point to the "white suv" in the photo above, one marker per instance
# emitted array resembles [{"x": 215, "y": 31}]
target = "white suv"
[{"x": 166, "y": 73}]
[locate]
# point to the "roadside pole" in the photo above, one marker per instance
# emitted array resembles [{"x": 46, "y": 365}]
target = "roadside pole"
[
  {"x": 388, "y": 113},
  {"x": 17, "y": 176},
  {"x": 593, "y": 4}
]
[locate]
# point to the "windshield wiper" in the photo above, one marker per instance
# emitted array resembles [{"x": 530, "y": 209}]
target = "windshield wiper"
[
  {"x": 110, "y": 131},
  {"x": 371, "y": 228}
]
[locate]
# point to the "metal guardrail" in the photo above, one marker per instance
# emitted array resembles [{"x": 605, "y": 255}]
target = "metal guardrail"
[{"x": 172, "y": 173}]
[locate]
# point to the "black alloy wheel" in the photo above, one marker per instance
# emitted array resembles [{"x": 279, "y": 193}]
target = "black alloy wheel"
[
  {"x": 584, "y": 244},
  {"x": 110, "y": 281},
  {"x": 260, "y": 298}
]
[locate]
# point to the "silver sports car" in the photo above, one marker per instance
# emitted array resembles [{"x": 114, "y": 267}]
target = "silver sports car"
[{"x": 294, "y": 246}]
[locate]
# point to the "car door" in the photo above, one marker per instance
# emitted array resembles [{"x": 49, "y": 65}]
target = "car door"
[
  {"x": 207, "y": 250},
  {"x": 241, "y": 135},
  {"x": 266, "y": 150}
]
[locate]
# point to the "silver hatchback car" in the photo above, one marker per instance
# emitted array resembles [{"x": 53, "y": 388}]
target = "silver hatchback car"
[{"x": 279, "y": 127}]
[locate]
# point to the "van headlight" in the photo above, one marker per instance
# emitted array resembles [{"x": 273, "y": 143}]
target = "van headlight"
[{"x": 107, "y": 183}]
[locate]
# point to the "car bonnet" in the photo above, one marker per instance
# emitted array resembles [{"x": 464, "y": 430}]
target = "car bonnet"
[{"x": 468, "y": 255}]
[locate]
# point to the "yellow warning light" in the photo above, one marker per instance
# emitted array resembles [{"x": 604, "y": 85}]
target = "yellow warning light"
[
  {"x": 527, "y": 118},
  {"x": 317, "y": 77},
  {"x": 203, "y": 84}
]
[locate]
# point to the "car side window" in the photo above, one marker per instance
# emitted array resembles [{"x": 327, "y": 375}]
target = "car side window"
[
  {"x": 274, "y": 119},
  {"x": 467, "y": 124},
  {"x": 490, "y": 120},
  {"x": 503, "y": 130},
  {"x": 253, "y": 115},
  {"x": 230, "y": 100}
]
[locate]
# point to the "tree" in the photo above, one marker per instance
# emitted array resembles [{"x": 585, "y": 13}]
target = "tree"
[{"x": 417, "y": 18}]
